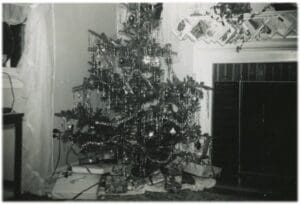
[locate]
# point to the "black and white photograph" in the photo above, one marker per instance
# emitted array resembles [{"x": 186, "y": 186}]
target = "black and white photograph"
[{"x": 149, "y": 101}]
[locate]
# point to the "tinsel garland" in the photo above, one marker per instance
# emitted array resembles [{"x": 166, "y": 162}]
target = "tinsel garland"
[{"x": 144, "y": 116}]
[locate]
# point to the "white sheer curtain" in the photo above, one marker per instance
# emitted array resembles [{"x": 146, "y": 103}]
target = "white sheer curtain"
[
  {"x": 15, "y": 13},
  {"x": 36, "y": 100}
]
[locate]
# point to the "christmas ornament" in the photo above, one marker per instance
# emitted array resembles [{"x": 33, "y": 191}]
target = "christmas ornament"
[
  {"x": 174, "y": 108},
  {"x": 70, "y": 126},
  {"x": 145, "y": 7},
  {"x": 198, "y": 145},
  {"x": 172, "y": 131},
  {"x": 151, "y": 134},
  {"x": 102, "y": 48},
  {"x": 121, "y": 61},
  {"x": 131, "y": 19},
  {"x": 155, "y": 62},
  {"x": 147, "y": 59}
]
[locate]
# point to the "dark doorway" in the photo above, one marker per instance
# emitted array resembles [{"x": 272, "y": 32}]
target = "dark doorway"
[{"x": 255, "y": 124}]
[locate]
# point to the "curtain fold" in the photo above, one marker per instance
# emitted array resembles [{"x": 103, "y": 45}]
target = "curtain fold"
[
  {"x": 14, "y": 14},
  {"x": 36, "y": 100}
]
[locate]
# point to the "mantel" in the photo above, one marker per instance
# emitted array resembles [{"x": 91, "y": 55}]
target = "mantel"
[
  {"x": 269, "y": 29},
  {"x": 289, "y": 44}
]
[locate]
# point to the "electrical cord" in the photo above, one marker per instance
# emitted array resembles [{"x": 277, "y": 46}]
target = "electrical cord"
[
  {"x": 58, "y": 157},
  {"x": 67, "y": 157},
  {"x": 85, "y": 190},
  {"x": 12, "y": 90}
]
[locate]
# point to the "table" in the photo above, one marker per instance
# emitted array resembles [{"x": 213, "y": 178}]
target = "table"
[{"x": 16, "y": 119}]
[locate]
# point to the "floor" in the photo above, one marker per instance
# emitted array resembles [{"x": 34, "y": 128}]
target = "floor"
[{"x": 218, "y": 193}]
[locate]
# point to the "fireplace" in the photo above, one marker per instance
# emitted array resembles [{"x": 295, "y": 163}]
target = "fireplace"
[{"x": 255, "y": 123}]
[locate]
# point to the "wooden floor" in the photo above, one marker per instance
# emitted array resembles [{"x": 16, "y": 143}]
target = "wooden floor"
[{"x": 219, "y": 193}]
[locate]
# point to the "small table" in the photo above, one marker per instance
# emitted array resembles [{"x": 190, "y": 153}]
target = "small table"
[{"x": 16, "y": 119}]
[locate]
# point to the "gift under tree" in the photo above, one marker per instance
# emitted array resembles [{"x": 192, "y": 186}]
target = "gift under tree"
[{"x": 142, "y": 110}]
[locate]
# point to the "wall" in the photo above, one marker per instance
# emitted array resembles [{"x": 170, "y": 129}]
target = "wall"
[{"x": 72, "y": 22}]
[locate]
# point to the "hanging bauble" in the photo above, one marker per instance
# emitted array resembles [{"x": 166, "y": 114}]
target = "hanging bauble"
[
  {"x": 131, "y": 19},
  {"x": 146, "y": 7},
  {"x": 121, "y": 61},
  {"x": 146, "y": 59},
  {"x": 155, "y": 62},
  {"x": 173, "y": 131},
  {"x": 198, "y": 145},
  {"x": 125, "y": 159},
  {"x": 147, "y": 75},
  {"x": 151, "y": 134},
  {"x": 174, "y": 108},
  {"x": 70, "y": 126},
  {"x": 134, "y": 25},
  {"x": 102, "y": 48},
  {"x": 149, "y": 50},
  {"x": 98, "y": 57},
  {"x": 91, "y": 82}
]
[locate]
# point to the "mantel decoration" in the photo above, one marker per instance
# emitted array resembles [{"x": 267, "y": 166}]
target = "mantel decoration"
[{"x": 234, "y": 23}]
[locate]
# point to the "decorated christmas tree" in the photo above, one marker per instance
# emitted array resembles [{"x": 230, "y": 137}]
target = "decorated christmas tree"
[{"x": 132, "y": 104}]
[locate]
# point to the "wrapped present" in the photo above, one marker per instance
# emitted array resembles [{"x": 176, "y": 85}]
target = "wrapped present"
[
  {"x": 115, "y": 184},
  {"x": 173, "y": 183},
  {"x": 136, "y": 184},
  {"x": 175, "y": 167},
  {"x": 202, "y": 170},
  {"x": 200, "y": 184},
  {"x": 155, "y": 177},
  {"x": 187, "y": 178},
  {"x": 71, "y": 186},
  {"x": 92, "y": 169}
]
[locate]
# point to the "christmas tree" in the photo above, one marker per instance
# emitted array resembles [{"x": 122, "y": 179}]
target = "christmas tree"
[{"x": 142, "y": 109}]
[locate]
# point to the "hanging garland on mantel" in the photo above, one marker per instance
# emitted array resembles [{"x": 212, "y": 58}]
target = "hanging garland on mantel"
[{"x": 234, "y": 23}]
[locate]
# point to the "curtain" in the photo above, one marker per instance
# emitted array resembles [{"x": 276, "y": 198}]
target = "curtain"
[
  {"x": 36, "y": 100},
  {"x": 14, "y": 14}
]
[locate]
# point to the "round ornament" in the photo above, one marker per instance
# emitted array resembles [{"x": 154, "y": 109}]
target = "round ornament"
[
  {"x": 155, "y": 62},
  {"x": 131, "y": 19},
  {"x": 121, "y": 61},
  {"x": 173, "y": 131},
  {"x": 147, "y": 59},
  {"x": 151, "y": 134}
]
